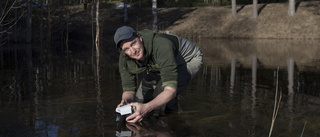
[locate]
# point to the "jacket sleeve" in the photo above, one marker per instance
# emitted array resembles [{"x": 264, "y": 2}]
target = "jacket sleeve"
[
  {"x": 164, "y": 54},
  {"x": 128, "y": 79}
]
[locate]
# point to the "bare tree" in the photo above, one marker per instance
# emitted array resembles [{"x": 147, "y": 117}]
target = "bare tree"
[
  {"x": 154, "y": 13},
  {"x": 97, "y": 43},
  {"x": 234, "y": 7},
  {"x": 291, "y": 9},
  {"x": 9, "y": 17},
  {"x": 255, "y": 9},
  {"x": 97, "y": 29}
]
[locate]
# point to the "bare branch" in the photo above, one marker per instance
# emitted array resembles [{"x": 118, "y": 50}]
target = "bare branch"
[{"x": 7, "y": 20}]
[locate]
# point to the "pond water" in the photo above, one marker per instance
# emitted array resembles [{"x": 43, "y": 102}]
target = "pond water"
[{"x": 43, "y": 94}]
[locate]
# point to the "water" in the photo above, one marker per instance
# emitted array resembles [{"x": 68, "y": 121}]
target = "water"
[{"x": 50, "y": 94}]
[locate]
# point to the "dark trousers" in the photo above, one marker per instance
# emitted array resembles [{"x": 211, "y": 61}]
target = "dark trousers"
[{"x": 151, "y": 86}]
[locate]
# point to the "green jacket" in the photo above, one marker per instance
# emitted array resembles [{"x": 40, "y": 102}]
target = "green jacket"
[{"x": 161, "y": 51}]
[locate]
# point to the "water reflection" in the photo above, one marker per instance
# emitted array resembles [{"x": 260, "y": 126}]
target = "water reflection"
[
  {"x": 270, "y": 52},
  {"x": 154, "y": 127},
  {"x": 254, "y": 84},
  {"x": 233, "y": 74},
  {"x": 47, "y": 94}
]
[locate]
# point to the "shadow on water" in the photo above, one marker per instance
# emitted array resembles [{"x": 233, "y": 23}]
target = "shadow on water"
[{"x": 50, "y": 95}]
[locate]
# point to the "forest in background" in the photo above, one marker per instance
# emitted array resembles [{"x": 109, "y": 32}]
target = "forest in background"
[{"x": 19, "y": 17}]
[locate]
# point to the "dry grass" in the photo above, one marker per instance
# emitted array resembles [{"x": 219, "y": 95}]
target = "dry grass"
[{"x": 272, "y": 22}]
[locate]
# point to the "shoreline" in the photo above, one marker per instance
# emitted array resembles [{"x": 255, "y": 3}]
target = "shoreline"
[{"x": 273, "y": 22}]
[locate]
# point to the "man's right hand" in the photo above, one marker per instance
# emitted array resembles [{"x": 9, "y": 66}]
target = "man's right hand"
[
  {"x": 123, "y": 102},
  {"x": 127, "y": 97}
]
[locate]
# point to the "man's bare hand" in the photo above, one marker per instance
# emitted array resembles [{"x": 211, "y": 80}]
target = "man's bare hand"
[
  {"x": 142, "y": 110},
  {"x": 121, "y": 103}
]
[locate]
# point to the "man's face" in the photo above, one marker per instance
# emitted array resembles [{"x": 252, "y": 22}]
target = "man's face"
[{"x": 134, "y": 48}]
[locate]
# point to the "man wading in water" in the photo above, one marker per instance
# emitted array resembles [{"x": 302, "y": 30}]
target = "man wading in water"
[{"x": 169, "y": 63}]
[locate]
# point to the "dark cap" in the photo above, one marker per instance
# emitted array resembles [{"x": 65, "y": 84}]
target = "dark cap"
[{"x": 123, "y": 33}]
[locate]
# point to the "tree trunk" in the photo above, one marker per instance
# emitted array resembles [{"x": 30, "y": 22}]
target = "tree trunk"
[
  {"x": 291, "y": 9},
  {"x": 92, "y": 31},
  {"x": 234, "y": 7},
  {"x": 97, "y": 29},
  {"x": 85, "y": 5},
  {"x": 41, "y": 22},
  {"x": 15, "y": 29},
  {"x": 67, "y": 35},
  {"x": 1, "y": 23},
  {"x": 1, "y": 67},
  {"x": 30, "y": 68},
  {"x": 97, "y": 42},
  {"x": 154, "y": 13},
  {"x": 125, "y": 11},
  {"x": 255, "y": 9},
  {"x": 49, "y": 27},
  {"x": 29, "y": 22},
  {"x": 1, "y": 8}
]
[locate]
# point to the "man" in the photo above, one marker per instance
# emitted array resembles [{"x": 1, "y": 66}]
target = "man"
[{"x": 169, "y": 63}]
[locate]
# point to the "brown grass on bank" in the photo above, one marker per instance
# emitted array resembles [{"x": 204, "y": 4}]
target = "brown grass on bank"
[
  {"x": 211, "y": 22},
  {"x": 272, "y": 22}
]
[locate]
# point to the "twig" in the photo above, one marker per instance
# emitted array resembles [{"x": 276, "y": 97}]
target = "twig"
[
  {"x": 276, "y": 105},
  {"x": 304, "y": 127}
]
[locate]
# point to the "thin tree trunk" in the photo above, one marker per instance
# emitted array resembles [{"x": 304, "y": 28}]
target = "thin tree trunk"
[
  {"x": 234, "y": 7},
  {"x": 92, "y": 21},
  {"x": 255, "y": 9},
  {"x": 41, "y": 22},
  {"x": 1, "y": 67},
  {"x": 17, "y": 74},
  {"x": 29, "y": 22},
  {"x": 98, "y": 45},
  {"x": 0, "y": 9},
  {"x": 125, "y": 11},
  {"x": 291, "y": 9},
  {"x": 92, "y": 31},
  {"x": 67, "y": 35},
  {"x": 15, "y": 29},
  {"x": 0, "y": 23},
  {"x": 30, "y": 68},
  {"x": 97, "y": 29},
  {"x": 154, "y": 13},
  {"x": 49, "y": 27}
]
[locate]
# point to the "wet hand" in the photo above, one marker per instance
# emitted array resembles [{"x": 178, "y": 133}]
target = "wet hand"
[{"x": 142, "y": 110}]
